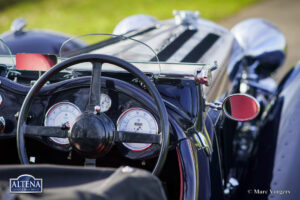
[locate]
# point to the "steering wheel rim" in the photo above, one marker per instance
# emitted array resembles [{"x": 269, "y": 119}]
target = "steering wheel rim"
[{"x": 95, "y": 58}]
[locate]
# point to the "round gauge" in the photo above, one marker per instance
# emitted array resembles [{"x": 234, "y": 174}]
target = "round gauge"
[
  {"x": 140, "y": 121},
  {"x": 105, "y": 102},
  {"x": 60, "y": 114}
]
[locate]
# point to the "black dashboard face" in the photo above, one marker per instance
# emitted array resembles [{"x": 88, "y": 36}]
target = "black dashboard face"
[{"x": 75, "y": 92}]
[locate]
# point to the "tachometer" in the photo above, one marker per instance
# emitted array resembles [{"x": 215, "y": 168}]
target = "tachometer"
[
  {"x": 140, "y": 121},
  {"x": 60, "y": 114}
]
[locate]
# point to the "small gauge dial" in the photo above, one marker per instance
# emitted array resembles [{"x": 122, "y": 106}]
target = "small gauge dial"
[
  {"x": 60, "y": 114},
  {"x": 140, "y": 121},
  {"x": 105, "y": 102}
]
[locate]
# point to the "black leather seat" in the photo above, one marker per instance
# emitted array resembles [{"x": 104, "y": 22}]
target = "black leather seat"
[{"x": 65, "y": 182}]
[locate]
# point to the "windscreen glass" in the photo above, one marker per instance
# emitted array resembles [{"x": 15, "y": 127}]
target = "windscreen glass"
[
  {"x": 6, "y": 59},
  {"x": 126, "y": 48}
]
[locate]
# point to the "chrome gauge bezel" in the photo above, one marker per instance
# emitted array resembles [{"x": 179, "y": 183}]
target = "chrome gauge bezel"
[
  {"x": 53, "y": 139},
  {"x": 1, "y": 100},
  {"x": 128, "y": 146}
]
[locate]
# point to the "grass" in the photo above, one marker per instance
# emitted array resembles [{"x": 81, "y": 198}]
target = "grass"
[{"x": 78, "y": 17}]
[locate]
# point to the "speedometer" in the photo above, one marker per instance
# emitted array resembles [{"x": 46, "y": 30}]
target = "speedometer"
[
  {"x": 140, "y": 121},
  {"x": 60, "y": 114}
]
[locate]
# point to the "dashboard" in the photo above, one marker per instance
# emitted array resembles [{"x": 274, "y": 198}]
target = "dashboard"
[{"x": 59, "y": 104}]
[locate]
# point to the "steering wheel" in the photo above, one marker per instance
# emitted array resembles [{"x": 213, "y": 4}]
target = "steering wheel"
[{"x": 93, "y": 133}]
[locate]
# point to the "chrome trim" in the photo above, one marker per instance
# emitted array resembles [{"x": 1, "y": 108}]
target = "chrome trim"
[{"x": 175, "y": 70}]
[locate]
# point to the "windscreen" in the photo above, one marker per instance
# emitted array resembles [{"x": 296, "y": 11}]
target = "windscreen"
[
  {"x": 126, "y": 48},
  {"x": 6, "y": 59}
]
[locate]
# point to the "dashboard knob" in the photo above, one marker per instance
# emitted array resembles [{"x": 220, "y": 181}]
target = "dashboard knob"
[
  {"x": 2, "y": 124},
  {"x": 97, "y": 109}
]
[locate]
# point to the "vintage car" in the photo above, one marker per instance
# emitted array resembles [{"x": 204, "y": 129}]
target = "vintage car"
[{"x": 185, "y": 99}]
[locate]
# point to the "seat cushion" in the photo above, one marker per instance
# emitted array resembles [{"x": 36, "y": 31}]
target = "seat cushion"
[{"x": 65, "y": 182}]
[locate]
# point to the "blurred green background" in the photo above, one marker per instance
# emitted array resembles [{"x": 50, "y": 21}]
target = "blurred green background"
[{"x": 78, "y": 17}]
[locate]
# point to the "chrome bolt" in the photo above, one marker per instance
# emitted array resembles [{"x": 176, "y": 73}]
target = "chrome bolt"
[{"x": 66, "y": 126}]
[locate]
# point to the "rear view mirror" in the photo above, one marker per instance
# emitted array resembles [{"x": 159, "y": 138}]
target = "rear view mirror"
[{"x": 240, "y": 107}]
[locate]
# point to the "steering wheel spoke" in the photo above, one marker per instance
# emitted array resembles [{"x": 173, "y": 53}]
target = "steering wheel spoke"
[
  {"x": 132, "y": 137},
  {"x": 48, "y": 131},
  {"x": 95, "y": 89}
]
